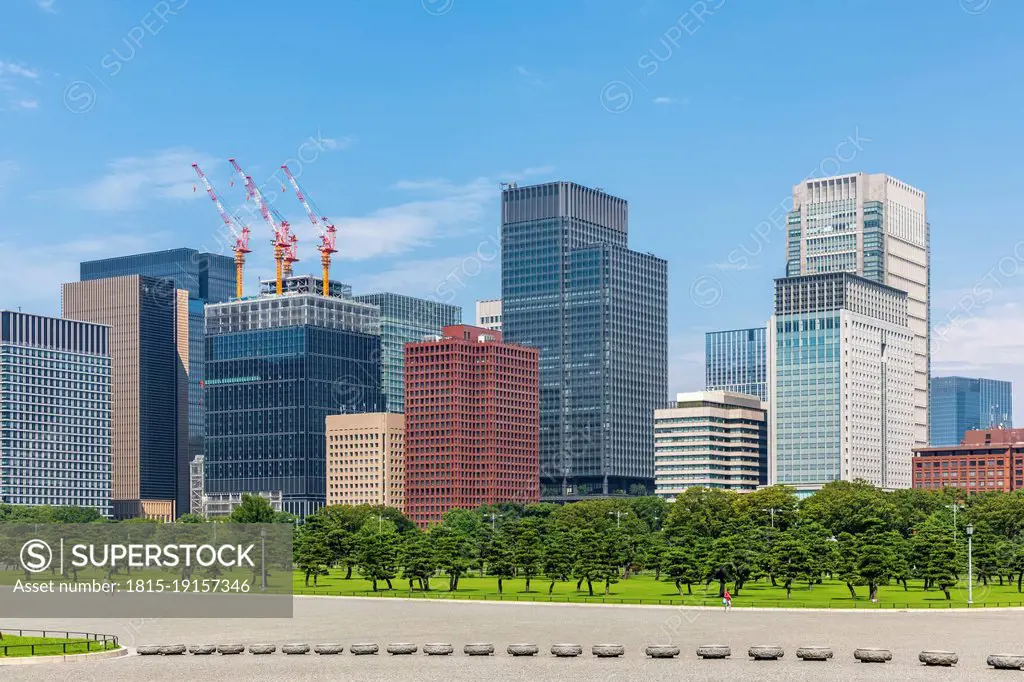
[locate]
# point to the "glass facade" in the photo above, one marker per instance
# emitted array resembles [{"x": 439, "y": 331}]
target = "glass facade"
[
  {"x": 598, "y": 313},
  {"x": 208, "y": 278},
  {"x": 736, "y": 361},
  {"x": 276, "y": 367},
  {"x": 876, "y": 226},
  {"x": 840, "y": 383},
  {"x": 806, "y": 400},
  {"x": 55, "y": 412},
  {"x": 961, "y": 404},
  {"x": 405, "y": 319}
]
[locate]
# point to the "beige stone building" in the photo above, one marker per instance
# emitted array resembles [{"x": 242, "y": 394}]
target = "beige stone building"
[
  {"x": 148, "y": 320},
  {"x": 364, "y": 459}
]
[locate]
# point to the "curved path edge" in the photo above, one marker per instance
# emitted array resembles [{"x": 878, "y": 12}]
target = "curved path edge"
[
  {"x": 684, "y": 607},
  {"x": 69, "y": 658}
]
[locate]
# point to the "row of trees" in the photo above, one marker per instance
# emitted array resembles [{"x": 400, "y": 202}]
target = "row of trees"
[{"x": 850, "y": 532}]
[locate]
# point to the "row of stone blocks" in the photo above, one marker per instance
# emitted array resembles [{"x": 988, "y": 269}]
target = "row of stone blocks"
[
  {"x": 706, "y": 651},
  {"x": 434, "y": 649}
]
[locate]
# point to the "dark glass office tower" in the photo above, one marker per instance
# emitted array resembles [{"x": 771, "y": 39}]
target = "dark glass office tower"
[
  {"x": 276, "y": 367},
  {"x": 598, "y": 312},
  {"x": 208, "y": 278}
]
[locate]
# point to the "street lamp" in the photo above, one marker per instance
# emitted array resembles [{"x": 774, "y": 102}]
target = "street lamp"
[
  {"x": 970, "y": 564},
  {"x": 772, "y": 510},
  {"x": 618, "y": 517}
]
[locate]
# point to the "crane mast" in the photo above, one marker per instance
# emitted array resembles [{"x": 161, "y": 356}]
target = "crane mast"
[
  {"x": 283, "y": 241},
  {"x": 241, "y": 246},
  {"x": 328, "y": 232}
]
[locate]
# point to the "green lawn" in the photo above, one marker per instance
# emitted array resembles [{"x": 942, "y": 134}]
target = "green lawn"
[
  {"x": 13, "y": 645},
  {"x": 644, "y": 589}
]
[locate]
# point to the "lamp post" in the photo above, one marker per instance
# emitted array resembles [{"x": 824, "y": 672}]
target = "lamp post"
[
  {"x": 618, "y": 517},
  {"x": 970, "y": 564},
  {"x": 954, "y": 507},
  {"x": 772, "y": 511}
]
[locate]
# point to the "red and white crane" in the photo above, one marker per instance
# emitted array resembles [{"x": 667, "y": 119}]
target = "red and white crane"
[
  {"x": 326, "y": 229},
  {"x": 238, "y": 231},
  {"x": 283, "y": 241}
]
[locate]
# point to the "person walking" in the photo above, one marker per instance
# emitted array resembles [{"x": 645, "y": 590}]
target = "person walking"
[{"x": 727, "y": 600}]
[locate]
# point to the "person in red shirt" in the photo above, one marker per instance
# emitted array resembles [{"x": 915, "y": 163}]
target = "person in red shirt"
[{"x": 727, "y": 600}]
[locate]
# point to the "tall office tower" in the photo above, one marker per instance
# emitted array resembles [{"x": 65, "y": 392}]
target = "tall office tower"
[
  {"x": 488, "y": 314},
  {"x": 404, "y": 319},
  {"x": 737, "y": 361},
  {"x": 957, "y": 405},
  {"x": 471, "y": 423},
  {"x": 276, "y": 367},
  {"x": 877, "y": 227},
  {"x": 149, "y": 351},
  {"x": 208, "y": 278},
  {"x": 366, "y": 459},
  {"x": 840, "y": 383},
  {"x": 598, "y": 312},
  {"x": 55, "y": 421},
  {"x": 712, "y": 439}
]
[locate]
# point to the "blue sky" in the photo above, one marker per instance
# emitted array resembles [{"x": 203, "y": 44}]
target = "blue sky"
[{"x": 404, "y": 115}]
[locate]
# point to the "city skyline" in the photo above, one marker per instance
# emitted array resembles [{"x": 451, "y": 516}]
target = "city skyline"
[{"x": 415, "y": 207}]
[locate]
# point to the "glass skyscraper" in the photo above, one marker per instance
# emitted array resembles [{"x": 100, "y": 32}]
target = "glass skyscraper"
[
  {"x": 960, "y": 404},
  {"x": 405, "y": 319},
  {"x": 208, "y": 278},
  {"x": 55, "y": 421},
  {"x": 875, "y": 226},
  {"x": 841, "y": 383},
  {"x": 276, "y": 367},
  {"x": 736, "y": 361},
  {"x": 598, "y": 312}
]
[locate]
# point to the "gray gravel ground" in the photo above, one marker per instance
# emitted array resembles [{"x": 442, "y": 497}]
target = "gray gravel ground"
[{"x": 973, "y": 635}]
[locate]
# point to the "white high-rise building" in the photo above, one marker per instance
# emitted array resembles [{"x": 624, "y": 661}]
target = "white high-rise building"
[
  {"x": 875, "y": 226},
  {"x": 840, "y": 383},
  {"x": 712, "y": 439},
  {"x": 488, "y": 314}
]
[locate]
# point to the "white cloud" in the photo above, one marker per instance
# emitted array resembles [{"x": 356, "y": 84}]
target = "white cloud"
[
  {"x": 984, "y": 342},
  {"x": 417, "y": 277},
  {"x": 445, "y": 209},
  {"x": 32, "y": 280},
  {"x": 47, "y": 6},
  {"x": 664, "y": 100},
  {"x": 335, "y": 143},
  {"x": 13, "y": 78},
  {"x": 11, "y": 69},
  {"x": 132, "y": 182},
  {"x": 529, "y": 77}
]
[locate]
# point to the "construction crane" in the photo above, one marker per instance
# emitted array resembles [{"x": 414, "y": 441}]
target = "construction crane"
[
  {"x": 326, "y": 229},
  {"x": 238, "y": 231},
  {"x": 282, "y": 242}
]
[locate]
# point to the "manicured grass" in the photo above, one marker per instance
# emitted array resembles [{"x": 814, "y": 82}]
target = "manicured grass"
[
  {"x": 644, "y": 589},
  {"x": 15, "y": 646}
]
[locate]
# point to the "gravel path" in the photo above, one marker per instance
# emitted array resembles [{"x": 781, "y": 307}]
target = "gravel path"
[{"x": 973, "y": 635}]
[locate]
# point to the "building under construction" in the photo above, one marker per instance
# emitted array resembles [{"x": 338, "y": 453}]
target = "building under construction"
[{"x": 276, "y": 366}]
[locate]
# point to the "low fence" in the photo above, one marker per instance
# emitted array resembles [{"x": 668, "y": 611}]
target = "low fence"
[
  {"x": 90, "y": 641},
  {"x": 640, "y": 601}
]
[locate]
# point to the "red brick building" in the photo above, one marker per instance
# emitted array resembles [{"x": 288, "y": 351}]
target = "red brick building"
[
  {"x": 986, "y": 460},
  {"x": 472, "y": 423}
]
